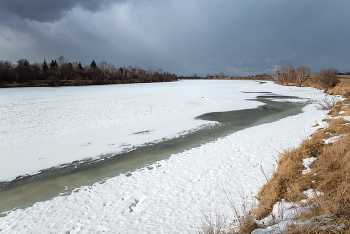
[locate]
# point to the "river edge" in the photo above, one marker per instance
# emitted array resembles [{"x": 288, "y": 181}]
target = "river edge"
[{"x": 64, "y": 179}]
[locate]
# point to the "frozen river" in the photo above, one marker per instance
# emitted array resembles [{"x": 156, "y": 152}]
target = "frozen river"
[{"x": 45, "y": 128}]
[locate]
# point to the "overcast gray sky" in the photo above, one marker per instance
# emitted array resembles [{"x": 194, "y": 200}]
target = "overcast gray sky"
[{"x": 237, "y": 37}]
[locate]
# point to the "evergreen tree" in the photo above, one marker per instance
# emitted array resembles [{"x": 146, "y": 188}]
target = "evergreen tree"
[
  {"x": 45, "y": 67},
  {"x": 93, "y": 65},
  {"x": 52, "y": 64},
  {"x": 80, "y": 66}
]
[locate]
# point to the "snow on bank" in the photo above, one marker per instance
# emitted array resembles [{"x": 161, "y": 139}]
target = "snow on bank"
[{"x": 171, "y": 197}]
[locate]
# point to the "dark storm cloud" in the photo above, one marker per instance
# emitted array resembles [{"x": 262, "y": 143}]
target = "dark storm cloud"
[
  {"x": 48, "y": 11},
  {"x": 185, "y": 37}
]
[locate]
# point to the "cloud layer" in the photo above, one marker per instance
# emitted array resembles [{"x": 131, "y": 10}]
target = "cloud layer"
[
  {"x": 48, "y": 11},
  {"x": 183, "y": 37}
]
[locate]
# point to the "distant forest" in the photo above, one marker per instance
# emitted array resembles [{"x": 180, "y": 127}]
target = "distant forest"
[{"x": 62, "y": 72}]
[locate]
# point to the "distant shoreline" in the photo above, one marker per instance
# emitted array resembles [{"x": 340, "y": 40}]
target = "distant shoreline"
[{"x": 45, "y": 83}]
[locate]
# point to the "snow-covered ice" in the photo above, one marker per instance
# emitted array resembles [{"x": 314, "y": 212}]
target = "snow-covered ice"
[
  {"x": 64, "y": 124},
  {"x": 45, "y": 127}
]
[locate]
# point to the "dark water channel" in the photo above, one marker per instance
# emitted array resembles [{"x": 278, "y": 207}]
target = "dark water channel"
[{"x": 25, "y": 191}]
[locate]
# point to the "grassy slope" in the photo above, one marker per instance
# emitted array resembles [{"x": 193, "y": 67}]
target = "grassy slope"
[{"x": 331, "y": 171}]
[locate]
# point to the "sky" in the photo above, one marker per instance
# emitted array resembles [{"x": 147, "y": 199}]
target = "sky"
[{"x": 185, "y": 37}]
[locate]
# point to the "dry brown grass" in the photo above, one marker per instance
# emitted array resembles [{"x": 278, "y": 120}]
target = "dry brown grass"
[
  {"x": 331, "y": 171},
  {"x": 343, "y": 88},
  {"x": 333, "y": 178},
  {"x": 336, "y": 127},
  {"x": 288, "y": 175}
]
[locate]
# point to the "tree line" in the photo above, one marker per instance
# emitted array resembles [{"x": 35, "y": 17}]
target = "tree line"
[
  {"x": 287, "y": 74},
  {"x": 62, "y": 72},
  {"x": 325, "y": 79}
]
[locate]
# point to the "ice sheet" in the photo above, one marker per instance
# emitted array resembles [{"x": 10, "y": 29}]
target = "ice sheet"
[{"x": 173, "y": 194}]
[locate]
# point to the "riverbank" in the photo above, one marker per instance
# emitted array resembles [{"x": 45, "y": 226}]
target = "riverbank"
[
  {"x": 76, "y": 82},
  {"x": 309, "y": 192}
]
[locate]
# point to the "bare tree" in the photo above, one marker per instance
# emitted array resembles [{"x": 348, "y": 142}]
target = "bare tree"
[
  {"x": 75, "y": 65},
  {"x": 150, "y": 74},
  {"x": 60, "y": 60},
  {"x": 289, "y": 73},
  {"x": 282, "y": 73},
  {"x": 301, "y": 74},
  {"x": 103, "y": 66}
]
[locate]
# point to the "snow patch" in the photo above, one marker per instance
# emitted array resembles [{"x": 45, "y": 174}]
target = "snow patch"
[
  {"x": 311, "y": 194},
  {"x": 307, "y": 163},
  {"x": 334, "y": 138}
]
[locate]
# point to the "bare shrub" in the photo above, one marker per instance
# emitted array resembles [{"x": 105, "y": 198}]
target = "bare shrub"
[
  {"x": 243, "y": 222},
  {"x": 327, "y": 78},
  {"x": 327, "y": 102},
  {"x": 213, "y": 226}
]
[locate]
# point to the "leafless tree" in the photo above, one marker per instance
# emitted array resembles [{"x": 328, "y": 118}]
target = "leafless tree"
[
  {"x": 103, "y": 66},
  {"x": 301, "y": 74},
  {"x": 289, "y": 72},
  {"x": 328, "y": 78},
  {"x": 60, "y": 60}
]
